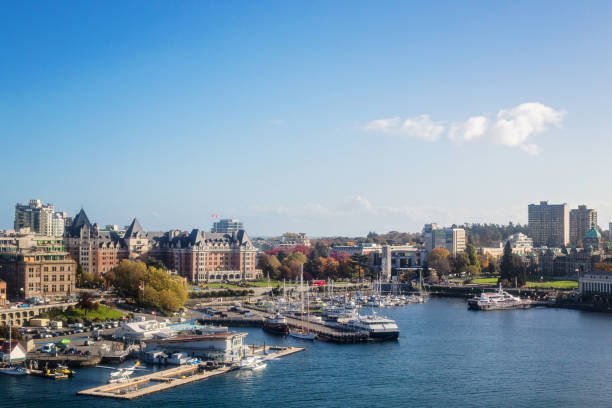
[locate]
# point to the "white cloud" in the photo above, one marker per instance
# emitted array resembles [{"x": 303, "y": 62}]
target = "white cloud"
[
  {"x": 421, "y": 127},
  {"x": 514, "y": 127}
]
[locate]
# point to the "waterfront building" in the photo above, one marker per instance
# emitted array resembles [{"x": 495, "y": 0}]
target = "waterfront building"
[
  {"x": 225, "y": 346},
  {"x": 207, "y": 256},
  {"x": 557, "y": 264},
  {"x": 400, "y": 258},
  {"x": 595, "y": 282},
  {"x": 549, "y": 224},
  {"x": 12, "y": 351},
  {"x": 227, "y": 226},
  {"x": 37, "y": 266},
  {"x": 581, "y": 220}
]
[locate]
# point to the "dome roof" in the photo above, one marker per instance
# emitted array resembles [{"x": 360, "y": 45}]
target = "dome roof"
[{"x": 592, "y": 233}]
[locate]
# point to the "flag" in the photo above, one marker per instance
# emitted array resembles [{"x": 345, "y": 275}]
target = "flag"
[{"x": 214, "y": 216}]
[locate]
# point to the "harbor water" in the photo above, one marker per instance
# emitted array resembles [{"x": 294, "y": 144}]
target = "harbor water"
[{"x": 446, "y": 356}]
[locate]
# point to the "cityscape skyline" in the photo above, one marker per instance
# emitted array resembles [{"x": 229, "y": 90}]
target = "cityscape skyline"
[
  {"x": 384, "y": 117},
  {"x": 218, "y": 223}
]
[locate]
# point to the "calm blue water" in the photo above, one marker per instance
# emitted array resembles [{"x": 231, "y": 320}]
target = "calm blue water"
[{"x": 447, "y": 355}]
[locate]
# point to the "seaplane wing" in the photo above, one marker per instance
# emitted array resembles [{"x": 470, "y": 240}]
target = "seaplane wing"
[{"x": 108, "y": 368}]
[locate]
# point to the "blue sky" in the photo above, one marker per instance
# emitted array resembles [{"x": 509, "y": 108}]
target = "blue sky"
[{"x": 323, "y": 117}]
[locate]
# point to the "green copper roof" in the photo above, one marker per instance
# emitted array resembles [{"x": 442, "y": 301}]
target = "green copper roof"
[{"x": 592, "y": 233}]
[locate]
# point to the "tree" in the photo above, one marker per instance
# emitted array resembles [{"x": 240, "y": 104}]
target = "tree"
[
  {"x": 161, "y": 290},
  {"x": 473, "y": 258},
  {"x": 512, "y": 268},
  {"x": 269, "y": 264},
  {"x": 438, "y": 259}
]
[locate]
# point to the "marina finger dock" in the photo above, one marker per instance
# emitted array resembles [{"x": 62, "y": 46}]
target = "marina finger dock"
[{"x": 173, "y": 377}]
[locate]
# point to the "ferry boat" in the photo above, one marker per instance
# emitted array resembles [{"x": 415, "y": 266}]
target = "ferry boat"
[
  {"x": 499, "y": 300},
  {"x": 378, "y": 328},
  {"x": 276, "y": 325}
]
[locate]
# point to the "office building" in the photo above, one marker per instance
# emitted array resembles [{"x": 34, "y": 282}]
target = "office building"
[
  {"x": 227, "y": 226},
  {"x": 581, "y": 220},
  {"x": 549, "y": 224},
  {"x": 452, "y": 239}
]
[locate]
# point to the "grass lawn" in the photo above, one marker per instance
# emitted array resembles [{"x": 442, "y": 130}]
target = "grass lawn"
[
  {"x": 546, "y": 284},
  {"x": 485, "y": 281},
  {"x": 103, "y": 313},
  {"x": 554, "y": 284}
]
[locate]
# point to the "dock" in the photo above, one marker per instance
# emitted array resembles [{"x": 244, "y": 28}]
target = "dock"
[
  {"x": 323, "y": 332},
  {"x": 173, "y": 377}
]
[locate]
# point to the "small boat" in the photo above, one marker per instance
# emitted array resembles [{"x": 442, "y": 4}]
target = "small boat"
[
  {"x": 276, "y": 325},
  {"x": 303, "y": 335},
  {"x": 259, "y": 365},
  {"x": 13, "y": 370}
]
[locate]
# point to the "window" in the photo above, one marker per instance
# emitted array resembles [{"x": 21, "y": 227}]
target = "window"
[
  {"x": 53, "y": 288},
  {"x": 46, "y": 278},
  {"x": 61, "y": 278},
  {"x": 54, "y": 278},
  {"x": 61, "y": 288},
  {"x": 45, "y": 288}
]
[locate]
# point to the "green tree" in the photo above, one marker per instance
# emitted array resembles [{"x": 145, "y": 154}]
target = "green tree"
[{"x": 438, "y": 259}]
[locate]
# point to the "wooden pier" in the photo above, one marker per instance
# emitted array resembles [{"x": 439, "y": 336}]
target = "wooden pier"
[{"x": 162, "y": 380}]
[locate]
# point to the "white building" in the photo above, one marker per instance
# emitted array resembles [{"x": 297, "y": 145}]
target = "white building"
[
  {"x": 596, "y": 282},
  {"x": 14, "y": 352},
  {"x": 217, "y": 346},
  {"x": 520, "y": 243}
]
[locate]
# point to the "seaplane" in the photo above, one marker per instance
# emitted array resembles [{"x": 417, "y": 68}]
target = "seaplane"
[{"x": 121, "y": 375}]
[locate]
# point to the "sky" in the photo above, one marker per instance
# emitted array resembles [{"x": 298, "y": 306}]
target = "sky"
[{"x": 330, "y": 118}]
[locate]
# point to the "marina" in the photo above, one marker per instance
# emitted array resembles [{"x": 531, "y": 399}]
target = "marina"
[{"x": 163, "y": 380}]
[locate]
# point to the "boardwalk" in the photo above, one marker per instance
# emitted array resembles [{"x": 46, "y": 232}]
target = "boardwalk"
[{"x": 162, "y": 380}]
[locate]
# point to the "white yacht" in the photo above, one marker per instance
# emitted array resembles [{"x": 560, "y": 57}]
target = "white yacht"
[
  {"x": 378, "y": 328},
  {"x": 499, "y": 300}
]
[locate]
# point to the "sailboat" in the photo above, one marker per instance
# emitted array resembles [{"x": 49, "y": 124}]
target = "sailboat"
[
  {"x": 302, "y": 333},
  {"x": 12, "y": 369}
]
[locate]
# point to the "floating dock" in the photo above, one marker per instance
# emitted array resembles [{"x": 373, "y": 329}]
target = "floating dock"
[{"x": 162, "y": 380}]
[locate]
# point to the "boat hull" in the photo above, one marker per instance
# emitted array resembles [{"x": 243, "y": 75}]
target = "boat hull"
[
  {"x": 474, "y": 305},
  {"x": 280, "y": 329},
  {"x": 384, "y": 336}
]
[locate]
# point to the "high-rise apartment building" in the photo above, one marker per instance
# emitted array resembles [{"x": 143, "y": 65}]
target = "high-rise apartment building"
[
  {"x": 549, "y": 224},
  {"x": 39, "y": 218},
  {"x": 227, "y": 226},
  {"x": 581, "y": 220}
]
